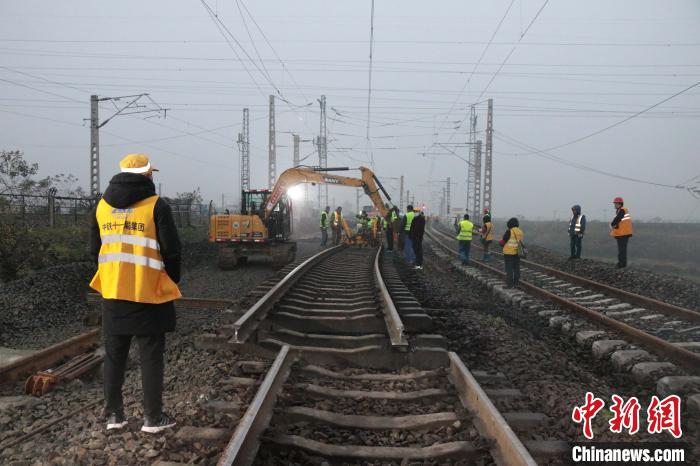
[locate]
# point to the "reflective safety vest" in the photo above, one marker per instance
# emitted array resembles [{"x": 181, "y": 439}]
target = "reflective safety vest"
[
  {"x": 409, "y": 220},
  {"x": 394, "y": 217},
  {"x": 465, "y": 230},
  {"x": 488, "y": 231},
  {"x": 324, "y": 219},
  {"x": 130, "y": 266},
  {"x": 385, "y": 224},
  {"x": 511, "y": 246},
  {"x": 624, "y": 228},
  {"x": 577, "y": 227},
  {"x": 369, "y": 223},
  {"x": 337, "y": 218}
]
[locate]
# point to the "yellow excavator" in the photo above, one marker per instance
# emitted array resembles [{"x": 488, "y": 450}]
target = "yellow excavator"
[{"x": 264, "y": 226}]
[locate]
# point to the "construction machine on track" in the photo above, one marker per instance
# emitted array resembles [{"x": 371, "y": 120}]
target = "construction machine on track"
[{"x": 264, "y": 225}]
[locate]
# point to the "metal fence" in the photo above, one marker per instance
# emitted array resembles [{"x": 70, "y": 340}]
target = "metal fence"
[
  {"x": 51, "y": 210},
  {"x": 187, "y": 215}
]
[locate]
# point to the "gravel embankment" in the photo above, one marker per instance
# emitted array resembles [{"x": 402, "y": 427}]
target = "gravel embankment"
[
  {"x": 636, "y": 279},
  {"x": 45, "y": 307},
  {"x": 553, "y": 374}
]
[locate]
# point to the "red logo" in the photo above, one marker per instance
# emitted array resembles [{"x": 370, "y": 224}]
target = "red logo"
[{"x": 587, "y": 412}]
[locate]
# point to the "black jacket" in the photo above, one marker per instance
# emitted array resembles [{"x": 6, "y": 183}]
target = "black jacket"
[
  {"x": 125, "y": 317},
  {"x": 417, "y": 228}
]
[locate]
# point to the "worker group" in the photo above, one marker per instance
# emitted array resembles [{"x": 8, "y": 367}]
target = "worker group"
[{"x": 407, "y": 231}]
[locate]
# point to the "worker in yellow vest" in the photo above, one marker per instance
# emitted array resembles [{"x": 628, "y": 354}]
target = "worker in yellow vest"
[
  {"x": 621, "y": 230},
  {"x": 464, "y": 235},
  {"x": 406, "y": 222},
  {"x": 337, "y": 225},
  {"x": 486, "y": 235},
  {"x": 137, "y": 249},
  {"x": 513, "y": 248},
  {"x": 389, "y": 225},
  {"x": 324, "y": 224}
]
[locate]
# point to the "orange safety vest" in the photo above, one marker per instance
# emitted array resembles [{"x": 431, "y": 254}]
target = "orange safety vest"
[
  {"x": 130, "y": 266},
  {"x": 337, "y": 219},
  {"x": 487, "y": 233},
  {"x": 624, "y": 228},
  {"x": 511, "y": 246}
]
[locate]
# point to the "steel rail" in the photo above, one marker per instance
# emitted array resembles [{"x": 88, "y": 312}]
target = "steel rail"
[
  {"x": 249, "y": 321},
  {"x": 186, "y": 303},
  {"x": 394, "y": 325},
  {"x": 634, "y": 298},
  {"x": 509, "y": 449},
  {"x": 686, "y": 358},
  {"x": 49, "y": 356},
  {"x": 245, "y": 442}
]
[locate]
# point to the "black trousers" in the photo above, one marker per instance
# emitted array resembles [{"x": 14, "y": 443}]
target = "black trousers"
[
  {"x": 151, "y": 348},
  {"x": 512, "y": 262},
  {"x": 337, "y": 235},
  {"x": 576, "y": 245},
  {"x": 390, "y": 239},
  {"x": 418, "y": 251},
  {"x": 622, "y": 250}
]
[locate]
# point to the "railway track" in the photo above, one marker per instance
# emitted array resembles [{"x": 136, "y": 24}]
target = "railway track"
[
  {"x": 352, "y": 375},
  {"x": 669, "y": 331}
]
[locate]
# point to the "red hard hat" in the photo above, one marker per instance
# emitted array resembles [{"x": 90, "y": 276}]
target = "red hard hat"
[
  {"x": 486, "y": 211},
  {"x": 617, "y": 200}
]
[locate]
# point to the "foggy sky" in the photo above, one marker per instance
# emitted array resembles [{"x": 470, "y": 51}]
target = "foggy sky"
[{"x": 581, "y": 67}]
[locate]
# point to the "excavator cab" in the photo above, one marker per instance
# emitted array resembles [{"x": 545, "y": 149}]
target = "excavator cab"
[
  {"x": 279, "y": 225},
  {"x": 247, "y": 234}
]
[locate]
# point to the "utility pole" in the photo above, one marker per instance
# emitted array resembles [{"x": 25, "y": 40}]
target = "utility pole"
[
  {"x": 272, "y": 147},
  {"x": 488, "y": 162},
  {"x": 322, "y": 153},
  {"x": 94, "y": 147},
  {"x": 132, "y": 106},
  {"x": 295, "y": 157},
  {"x": 401, "y": 195},
  {"x": 443, "y": 200},
  {"x": 408, "y": 198},
  {"x": 160, "y": 186},
  {"x": 357, "y": 201},
  {"x": 244, "y": 148},
  {"x": 447, "y": 198},
  {"x": 471, "y": 173},
  {"x": 477, "y": 179}
]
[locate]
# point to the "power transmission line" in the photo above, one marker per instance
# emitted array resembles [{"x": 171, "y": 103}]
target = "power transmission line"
[
  {"x": 513, "y": 49},
  {"x": 369, "y": 85},
  {"x": 476, "y": 65},
  {"x": 544, "y": 154},
  {"x": 624, "y": 120}
]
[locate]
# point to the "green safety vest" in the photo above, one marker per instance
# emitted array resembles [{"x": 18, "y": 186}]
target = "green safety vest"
[
  {"x": 409, "y": 220},
  {"x": 465, "y": 230},
  {"x": 324, "y": 219},
  {"x": 394, "y": 217}
]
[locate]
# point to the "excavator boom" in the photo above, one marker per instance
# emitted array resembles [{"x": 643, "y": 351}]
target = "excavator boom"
[{"x": 298, "y": 175}]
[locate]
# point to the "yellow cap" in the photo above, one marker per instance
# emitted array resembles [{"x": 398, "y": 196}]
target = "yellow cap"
[
  {"x": 137, "y": 163},
  {"x": 417, "y": 209}
]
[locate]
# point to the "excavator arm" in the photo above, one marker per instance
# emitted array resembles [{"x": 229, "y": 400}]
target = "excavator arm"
[{"x": 298, "y": 175}]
